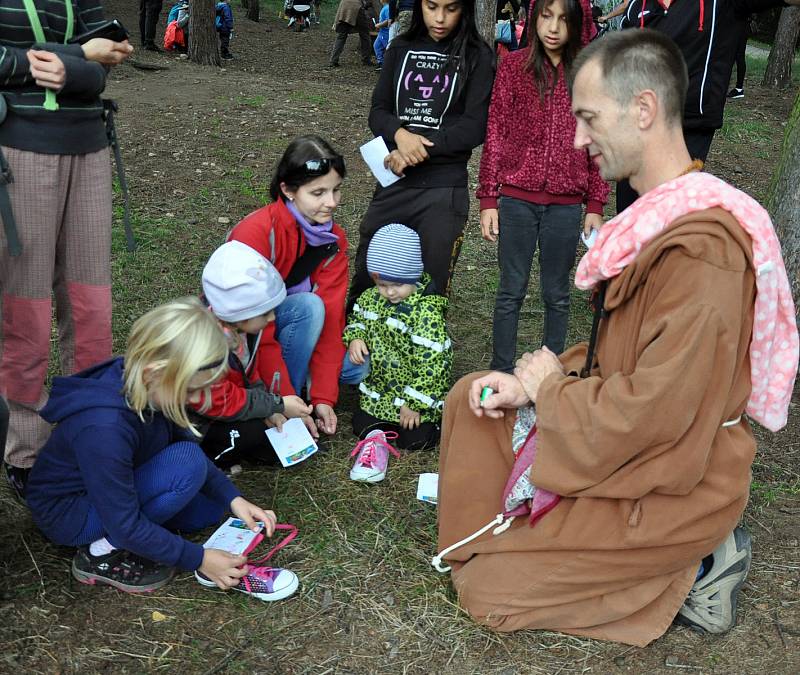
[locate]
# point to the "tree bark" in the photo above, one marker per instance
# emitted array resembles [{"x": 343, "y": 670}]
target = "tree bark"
[
  {"x": 783, "y": 201},
  {"x": 486, "y": 18},
  {"x": 203, "y": 42},
  {"x": 253, "y": 10},
  {"x": 778, "y": 74}
]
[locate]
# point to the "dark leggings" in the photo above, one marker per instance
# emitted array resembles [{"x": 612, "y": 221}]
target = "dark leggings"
[
  {"x": 168, "y": 488},
  {"x": 3, "y": 424},
  {"x": 425, "y": 436},
  {"x": 741, "y": 60}
]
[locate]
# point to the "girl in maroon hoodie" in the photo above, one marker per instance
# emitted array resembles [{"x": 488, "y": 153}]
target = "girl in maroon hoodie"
[{"x": 532, "y": 181}]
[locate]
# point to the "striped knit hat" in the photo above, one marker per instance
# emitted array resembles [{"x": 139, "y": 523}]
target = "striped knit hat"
[{"x": 394, "y": 254}]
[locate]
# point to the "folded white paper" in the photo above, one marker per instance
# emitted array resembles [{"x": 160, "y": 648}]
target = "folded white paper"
[
  {"x": 588, "y": 242},
  {"x": 374, "y": 152},
  {"x": 293, "y": 443},
  {"x": 428, "y": 488}
]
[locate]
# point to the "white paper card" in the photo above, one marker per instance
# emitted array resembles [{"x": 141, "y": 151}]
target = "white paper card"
[
  {"x": 588, "y": 242},
  {"x": 293, "y": 443},
  {"x": 374, "y": 152},
  {"x": 233, "y": 536},
  {"x": 428, "y": 488}
]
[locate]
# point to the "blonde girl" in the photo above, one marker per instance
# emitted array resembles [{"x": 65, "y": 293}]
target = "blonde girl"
[{"x": 122, "y": 469}]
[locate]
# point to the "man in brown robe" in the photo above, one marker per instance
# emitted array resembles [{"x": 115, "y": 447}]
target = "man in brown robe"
[{"x": 649, "y": 453}]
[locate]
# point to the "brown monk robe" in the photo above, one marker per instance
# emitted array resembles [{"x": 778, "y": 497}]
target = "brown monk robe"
[{"x": 651, "y": 481}]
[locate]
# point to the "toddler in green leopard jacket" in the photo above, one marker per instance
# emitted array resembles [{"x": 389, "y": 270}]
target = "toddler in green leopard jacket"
[{"x": 398, "y": 325}]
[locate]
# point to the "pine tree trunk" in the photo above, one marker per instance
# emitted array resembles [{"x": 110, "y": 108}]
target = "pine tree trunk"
[
  {"x": 486, "y": 18},
  {"x": 244, "y": 3},
  {"x": 253, "y": 10},
  {"x": 778, "y": 74},
  {"x": 783, "y": 201},
  {"x": 203, "y": 41}
]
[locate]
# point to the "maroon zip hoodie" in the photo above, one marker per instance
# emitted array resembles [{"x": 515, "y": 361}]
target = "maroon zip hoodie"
[{"x": 528, "y": 152}]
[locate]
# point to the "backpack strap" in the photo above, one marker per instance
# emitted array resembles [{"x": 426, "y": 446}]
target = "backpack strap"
[
  {"x": 598, "y": 300},
  {"x": 309, "y": 261}
]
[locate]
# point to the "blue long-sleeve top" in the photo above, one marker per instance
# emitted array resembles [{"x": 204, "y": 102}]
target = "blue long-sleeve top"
[
  {"x": 94, "y": 450},
  {"x": 224, "y": 21}
]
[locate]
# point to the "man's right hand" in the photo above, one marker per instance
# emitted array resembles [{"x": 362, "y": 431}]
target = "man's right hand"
[
  {"x": 223, "y": 568},
  {"x": 490, "y": 224},
  {"x": 507, "y": 393}
]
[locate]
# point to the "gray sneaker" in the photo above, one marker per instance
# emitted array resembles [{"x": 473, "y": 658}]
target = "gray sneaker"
[{"x": 711, "y": 605}]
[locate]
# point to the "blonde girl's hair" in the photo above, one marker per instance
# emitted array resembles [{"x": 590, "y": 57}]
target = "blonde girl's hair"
[{"x": 177, "y": 341}]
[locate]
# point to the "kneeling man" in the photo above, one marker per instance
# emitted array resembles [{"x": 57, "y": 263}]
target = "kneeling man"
[{"x": 641, "y": 468}]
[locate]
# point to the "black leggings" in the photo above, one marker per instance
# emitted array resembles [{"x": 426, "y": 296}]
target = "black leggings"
[
  {"x": 425, "y": 436},
  {"x": 3, "y": 425}
]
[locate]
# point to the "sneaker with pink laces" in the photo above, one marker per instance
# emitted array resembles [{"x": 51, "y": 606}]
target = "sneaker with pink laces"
[
  {"x": 373, "y": 456},
  {"x": 264, "y": 583}
]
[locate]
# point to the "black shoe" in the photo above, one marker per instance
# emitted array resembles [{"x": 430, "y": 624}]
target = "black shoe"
[
  {"x": 17, "y": 479},
  {"x": 150, "y": 47},
  {"x": 122, "y": 569},
  {"x": 334, "y": 64},
  {"x": 736, "y": 93},
  {"x": 227, "y": 57}
]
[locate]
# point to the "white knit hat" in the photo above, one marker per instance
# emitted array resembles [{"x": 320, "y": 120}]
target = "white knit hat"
[{"x": 239, "y": 283}]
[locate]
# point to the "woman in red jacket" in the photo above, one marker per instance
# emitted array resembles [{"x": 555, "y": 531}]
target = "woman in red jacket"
[
  {"x": 303, "y": 349},
  {"x": 532, "y": 181}
]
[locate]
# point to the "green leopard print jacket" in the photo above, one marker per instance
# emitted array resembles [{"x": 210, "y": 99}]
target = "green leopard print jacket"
[{"x": 411, "y": 357}]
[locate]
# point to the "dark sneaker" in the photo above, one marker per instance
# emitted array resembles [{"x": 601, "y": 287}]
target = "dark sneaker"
[
  {"x": 122, "y": 569},
  {"x": 333, "y": 64},
  {"x": 711, "y": 605},
  {"x": 227, "y": 57},
  {"x": 17, "y": 479},
  {"x": 736, "y": 93}
]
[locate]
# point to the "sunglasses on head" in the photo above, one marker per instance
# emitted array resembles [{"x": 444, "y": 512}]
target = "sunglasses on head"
[{"x": 318, "y": 167}]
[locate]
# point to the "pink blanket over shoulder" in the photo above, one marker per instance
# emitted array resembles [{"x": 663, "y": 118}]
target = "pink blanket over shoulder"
[{"x": 774, "y": 347}]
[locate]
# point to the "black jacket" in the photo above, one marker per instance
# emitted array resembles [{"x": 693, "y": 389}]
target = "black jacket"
[
  {"x": 707, "y": 39},
  {"x": 418, "y": 92}
]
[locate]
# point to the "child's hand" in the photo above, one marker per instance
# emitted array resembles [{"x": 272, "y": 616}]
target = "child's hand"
[
  {"x": 592, "y": 221},
  {"x": 409, "y": 419},
  {"x": 411, "y": 146},
  {"x": 490, "y": 224},
  {"x": 294, "y": 406},
  {"x": 223, "y": 568},
  {"x": 357, "y": 351},
  {"x": 326, "y": 418},
  {"x": 311, "y": 425},
  {"x": 251, "y": 514},
  {"x": 276, "y": 420},
  {"x": 395, "y": 162}
]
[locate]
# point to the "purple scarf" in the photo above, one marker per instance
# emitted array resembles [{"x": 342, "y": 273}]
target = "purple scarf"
[{"x": 315, "y": 235}]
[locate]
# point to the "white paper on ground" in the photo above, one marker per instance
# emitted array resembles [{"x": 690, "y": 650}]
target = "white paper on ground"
[
  {"x": 374, "y": 152},
  {"x": 588, "y": 242},
  {"x": 428, "y": 488},
  {"x": 293, "y": 443}
]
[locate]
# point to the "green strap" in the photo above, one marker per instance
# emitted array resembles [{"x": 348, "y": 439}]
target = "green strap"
[{"x": 50, "y": 102}]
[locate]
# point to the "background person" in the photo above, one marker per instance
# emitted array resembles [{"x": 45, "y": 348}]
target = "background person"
[
  {"x": 430, "y": 106},
  {"x": 708, "y": 34},
  {"x": 530, "y": 169},
  {"x": 54, "y": 140}
]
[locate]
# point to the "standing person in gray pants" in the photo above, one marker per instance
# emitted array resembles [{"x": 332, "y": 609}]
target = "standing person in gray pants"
[
  {"x": 351, "y": 17},
  {"x": 54, "y": 140}
]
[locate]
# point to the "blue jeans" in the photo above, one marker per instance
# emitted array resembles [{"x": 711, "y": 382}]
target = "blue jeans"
[
  {"x": 298, "y": 324},
  {"x": 555, "y": 228},
  {"x": 168, "y": 488}
]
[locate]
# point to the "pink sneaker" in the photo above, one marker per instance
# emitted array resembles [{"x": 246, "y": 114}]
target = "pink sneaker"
[
  {"x": 264, "y": 583},
  {"x": 373, "y": 456}
]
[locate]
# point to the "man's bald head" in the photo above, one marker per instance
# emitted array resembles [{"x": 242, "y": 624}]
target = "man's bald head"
[{"x": 632, "y": 61}]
